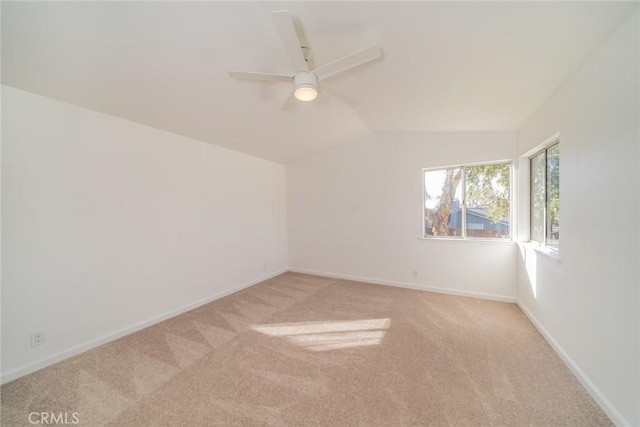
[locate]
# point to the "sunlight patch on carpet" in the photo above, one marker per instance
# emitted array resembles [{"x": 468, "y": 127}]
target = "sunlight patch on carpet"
[{"x": 330, "y": 335}]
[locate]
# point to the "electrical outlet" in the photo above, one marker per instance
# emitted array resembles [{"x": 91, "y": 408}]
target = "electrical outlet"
[
  {"x": 38, "y": 338},
  {"x": 414, "y": 274}
]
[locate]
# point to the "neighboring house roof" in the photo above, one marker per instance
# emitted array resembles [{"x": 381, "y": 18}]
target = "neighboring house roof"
[{"x": 481, "y": 213}]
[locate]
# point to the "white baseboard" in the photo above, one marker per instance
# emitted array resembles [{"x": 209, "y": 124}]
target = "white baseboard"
[
  {"x": 597, "y": 395},
  {"x": 81, "y": 348},
  {"x": 481, "y": 295}
]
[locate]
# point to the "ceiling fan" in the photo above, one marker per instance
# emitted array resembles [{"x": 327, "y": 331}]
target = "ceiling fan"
[{"x": 306, "y": 82}]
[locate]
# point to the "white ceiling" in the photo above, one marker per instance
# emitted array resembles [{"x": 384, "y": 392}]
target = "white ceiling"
[{"x": 446, "y": 66}]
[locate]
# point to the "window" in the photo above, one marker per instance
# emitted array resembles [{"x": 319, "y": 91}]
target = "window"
[
  {"x": 544, "y": 190},
  {"x": 468, "y": 201}
]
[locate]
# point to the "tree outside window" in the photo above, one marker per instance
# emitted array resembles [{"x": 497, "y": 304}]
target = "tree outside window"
[
  {"x": 468, "y": 201},
  {"x": 545, "y": 197}
]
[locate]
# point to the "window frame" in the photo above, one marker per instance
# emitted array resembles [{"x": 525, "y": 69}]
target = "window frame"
[
  {"x": 463, "y": 204},
  {"x": 555, "y": 141}
]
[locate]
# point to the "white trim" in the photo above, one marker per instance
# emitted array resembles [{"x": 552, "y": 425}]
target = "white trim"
[
  {"x": 542, "y": 146},
  {"x": 591, "y": 388},
  {"x": 546, "y": 251},
  {"x": 481, "y": 295},
  {"x": 457, "y": 166},
  {"x": 81, "y": 348},
  {"x": 469, "y": 239},
  {"x": 525, "y": 159}
]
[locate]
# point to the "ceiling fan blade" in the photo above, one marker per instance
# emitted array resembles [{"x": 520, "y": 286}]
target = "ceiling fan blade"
[
  {"x": 284, "y": 24},
  {"x": 338, "y": 94},
  {"x": 291, "y": 104},
  {"x": 350, "y": 61},
  {"x": 265, "y": 77}
]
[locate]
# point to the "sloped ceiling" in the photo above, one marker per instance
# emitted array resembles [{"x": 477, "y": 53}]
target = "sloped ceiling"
[{"x": 446, "y": 66}]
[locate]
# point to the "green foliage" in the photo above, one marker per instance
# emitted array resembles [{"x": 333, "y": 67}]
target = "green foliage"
[
  {"x": 553, "y": 185},
  {"x": 488, "y": 187},
  {"x": 537, "y": 196}
]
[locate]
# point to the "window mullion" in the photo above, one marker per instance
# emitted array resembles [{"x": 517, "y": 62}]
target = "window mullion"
[{"x": 544, "y": 210}]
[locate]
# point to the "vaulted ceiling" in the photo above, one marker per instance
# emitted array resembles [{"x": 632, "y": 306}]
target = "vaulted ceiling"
[{"x": 446, "y": 66}]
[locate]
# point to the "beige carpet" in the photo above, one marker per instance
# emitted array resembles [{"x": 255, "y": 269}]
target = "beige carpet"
[{"x": 300, "y": 350}]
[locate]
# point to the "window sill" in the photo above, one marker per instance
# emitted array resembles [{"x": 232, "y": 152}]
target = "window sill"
[
  {"x": 476, "y": 240},
  {"x": 552, "y": 254}
]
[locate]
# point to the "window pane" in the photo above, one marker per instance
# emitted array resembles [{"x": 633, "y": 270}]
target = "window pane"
[
  {"x": 487, "y": 194},
  {"x": 537, "y": 197},
  {"x": 442, "y": 202},
  {"x": 553, "y": 197}
]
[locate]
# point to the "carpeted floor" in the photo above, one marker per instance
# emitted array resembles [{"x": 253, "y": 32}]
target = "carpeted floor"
[{"x": 300, "y": 350}]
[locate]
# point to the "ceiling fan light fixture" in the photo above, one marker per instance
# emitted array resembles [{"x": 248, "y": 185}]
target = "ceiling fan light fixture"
[
  {"x": 305, "y": 93},
  {"x": 305, "y": 86}
]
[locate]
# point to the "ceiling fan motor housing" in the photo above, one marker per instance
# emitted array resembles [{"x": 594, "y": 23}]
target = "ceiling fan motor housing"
[{"x": 305, "y": 86}]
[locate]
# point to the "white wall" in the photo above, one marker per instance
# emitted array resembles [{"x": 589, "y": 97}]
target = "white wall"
[
  {"x": 109, "y": 225},
  {"x": 356, "y": 211},
  {"x": 588, "y": 304}
]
